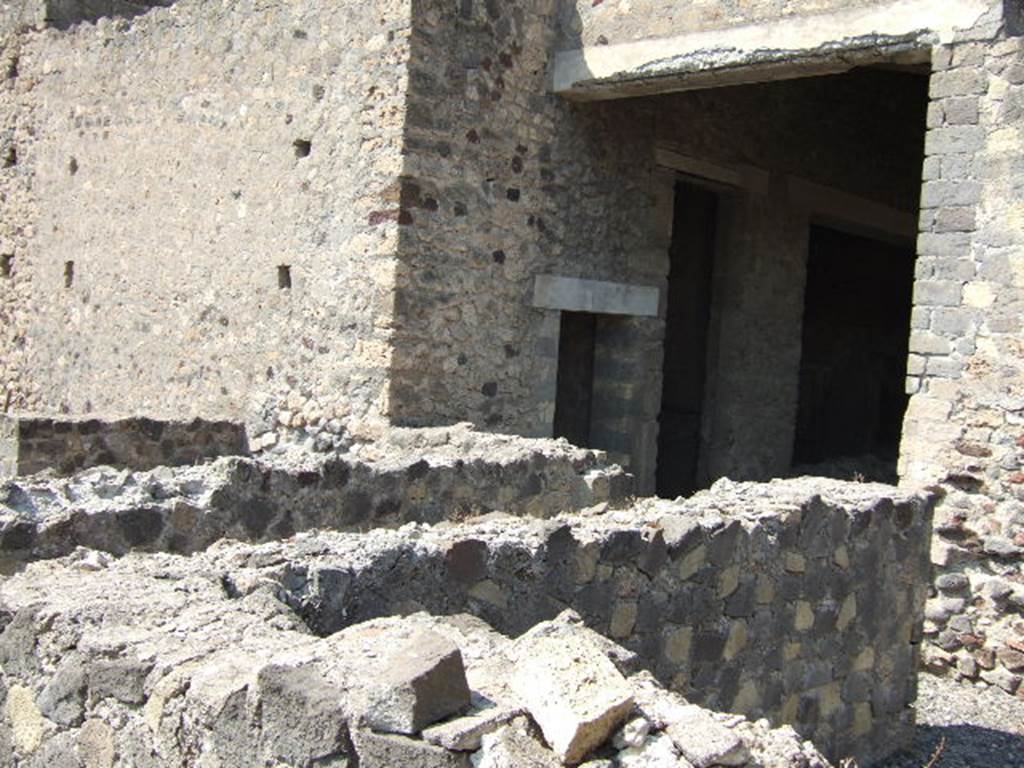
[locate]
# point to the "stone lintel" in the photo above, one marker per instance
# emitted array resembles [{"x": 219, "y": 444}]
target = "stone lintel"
[
  {"x": 572, "y": 294},
  {"x": 899, "y": 31}
]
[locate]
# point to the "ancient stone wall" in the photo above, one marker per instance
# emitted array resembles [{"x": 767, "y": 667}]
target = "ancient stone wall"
[
  {"x": 220, "y": 211},
  {"x": 36, "y": 444},
  {"x": 966, "y": 419},
  {"x": 419, "y": 690},
  {"x": 413, "y": 476},
  {"x": 799, "y": 601},
  {"x": 505, "y": 181}
]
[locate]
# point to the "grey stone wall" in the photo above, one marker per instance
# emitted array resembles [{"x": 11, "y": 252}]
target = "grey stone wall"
[
  {"x": 964, "y": 424},
  {"x": 426, "y": 476},
  {"x": 799, "y": 601},
  {"x": 260, "y": 689},
  {"x": 184, "y": 160},
  {"x": 504, "y": 181},
  {"x": 65, "y": 447}
]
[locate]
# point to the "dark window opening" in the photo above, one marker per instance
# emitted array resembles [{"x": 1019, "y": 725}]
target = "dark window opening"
[
  {"x": 688, "y": 312},
  {"x": 6, "y": 265},
  {"x": 575, "y": 386},
  {"x": 284, "y": 276},
  {"x": 854, "y": 360},
  {"x": 69, "y": 274},
  {"x": 303, "y": 147}
]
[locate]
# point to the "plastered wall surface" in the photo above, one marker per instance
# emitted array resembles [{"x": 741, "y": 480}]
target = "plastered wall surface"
[{"x": 179, "y": 161}]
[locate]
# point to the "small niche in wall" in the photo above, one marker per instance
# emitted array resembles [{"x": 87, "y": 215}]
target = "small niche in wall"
[
  {"x": 7, "y": 265},
  {"x": 69, "y": 274},
  {"x": 284, "y": 277},
  {"x": 10, "y": 157},
  {"x": 303, "y": 147}
]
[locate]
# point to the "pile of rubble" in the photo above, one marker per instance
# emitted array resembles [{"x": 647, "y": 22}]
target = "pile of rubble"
[{"x": 168, "y": 668}]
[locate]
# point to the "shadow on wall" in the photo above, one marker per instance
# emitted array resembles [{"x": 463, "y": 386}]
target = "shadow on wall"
[{"x": 63, "y": 14}]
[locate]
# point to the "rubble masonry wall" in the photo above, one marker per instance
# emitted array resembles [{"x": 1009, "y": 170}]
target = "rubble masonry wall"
[
  {"x": 29, "y": 445},
  {"x": 799, "y": 601},
  {"x": 965, "y": 424},
  {"x": 185, "y": 158}
]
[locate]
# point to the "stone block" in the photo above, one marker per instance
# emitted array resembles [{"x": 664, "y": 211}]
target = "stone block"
[
  {"x": 937, "y": 293},
  {"x": 938, "y": 194},
  {"x": 465, "y": 734},
  {"x": 958, "y": 82},
  {"x": 954, "y": 140},
  {"x": 570, "y": 687},
  {"x": 513, "y": 747},
  {"x": 63, "y": 698},
  {"x": 422, "y": 682},
  {"x": 301, "y": 714},
  {"x": 704, "y": 741},
  {"x": 380, "y": 750}
]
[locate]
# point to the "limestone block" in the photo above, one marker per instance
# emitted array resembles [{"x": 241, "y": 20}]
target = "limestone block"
[
  {"x": 704, "y": 741},
  {"x": 25, "y": 718},
  {"x": 570, "y": 687},
  {"x": 653, "y": 752},
  {"x": 513, "y": 747},
  {"x": 424, "y": 681}
]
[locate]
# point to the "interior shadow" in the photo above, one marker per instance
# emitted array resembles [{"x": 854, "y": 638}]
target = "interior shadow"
[{"x": 965, "y": 745}]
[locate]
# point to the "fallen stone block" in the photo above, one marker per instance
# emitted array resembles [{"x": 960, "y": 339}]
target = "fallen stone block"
[
  {"x": 385, "y": 750},
  {"x": 300, "y": 715},
  {"x": 464, "y": 734},
  {"x": 423, "y": 681},
  {"x": 513, "y": 747},
  {"x": 704, "y": 741},
  {"x": 570, "y": 687}
]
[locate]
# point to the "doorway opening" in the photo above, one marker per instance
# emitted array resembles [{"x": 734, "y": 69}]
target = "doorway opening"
[
  {"x": 857, "y": 306},
  {"x": 688, "y": 313},
  {"x": 790, "y": 276},
  {"x": 574, "y": 397}
]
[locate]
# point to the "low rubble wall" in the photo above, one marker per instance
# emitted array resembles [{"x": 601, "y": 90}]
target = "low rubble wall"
[
  {"x": 29, "y": 444},
  {"x": 798, "y": 600},
  {"x": 420, "y": 476}
]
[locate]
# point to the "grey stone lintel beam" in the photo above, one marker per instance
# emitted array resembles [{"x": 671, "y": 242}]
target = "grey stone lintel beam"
[
  {"x": 572, "y": 294},
  {"x": 825, "y": 204},
  {"x": 798, "y": 46}
]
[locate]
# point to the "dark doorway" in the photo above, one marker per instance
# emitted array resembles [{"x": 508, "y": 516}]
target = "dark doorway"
[
  {"x": 854, "y": 362},
  {"x": 575, "y": 388},
  {"x": 692, "y": 258}
]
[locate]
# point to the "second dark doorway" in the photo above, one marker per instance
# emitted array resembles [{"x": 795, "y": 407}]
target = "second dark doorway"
[{"x": 692, "y": 258}]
